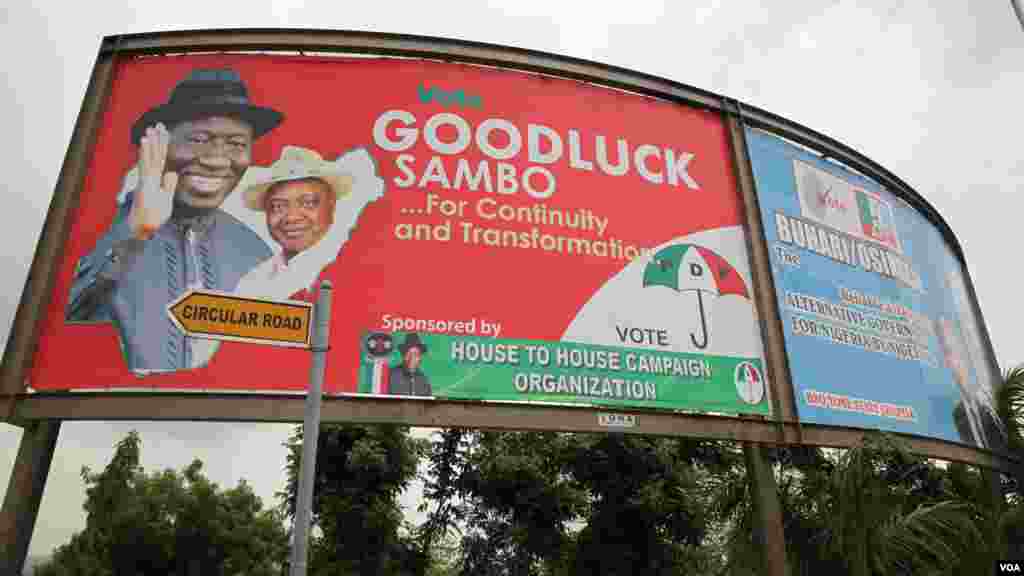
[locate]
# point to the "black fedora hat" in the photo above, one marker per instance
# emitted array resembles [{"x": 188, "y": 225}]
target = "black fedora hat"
[
  {"x": 209, "y": 92},
  {"x": 412, "y": 340}
]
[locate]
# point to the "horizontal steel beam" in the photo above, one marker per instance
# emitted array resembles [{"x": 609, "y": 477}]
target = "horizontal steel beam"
[{"x": 356, "y": 409}]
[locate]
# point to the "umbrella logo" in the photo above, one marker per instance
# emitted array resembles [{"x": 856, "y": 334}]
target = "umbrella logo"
[
  {"x": 689, "y": 267},
  {"x": 749, "y": 383}
]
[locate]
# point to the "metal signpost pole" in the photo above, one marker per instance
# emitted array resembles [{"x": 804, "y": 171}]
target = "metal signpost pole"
[{"x": 311, "y": 430}]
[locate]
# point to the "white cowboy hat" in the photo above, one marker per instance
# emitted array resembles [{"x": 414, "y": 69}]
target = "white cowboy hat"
[{"x": 296, "y": 164}]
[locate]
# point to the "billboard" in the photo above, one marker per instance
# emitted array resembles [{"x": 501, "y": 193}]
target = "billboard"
[
  {"x": 876, "y": 318},
  {"x": 491, "y": 235}
]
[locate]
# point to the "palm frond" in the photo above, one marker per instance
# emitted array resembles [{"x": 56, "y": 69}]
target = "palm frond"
[
  {"x": 1010, "y": 405},
  {"x": 931, "y": 539}
]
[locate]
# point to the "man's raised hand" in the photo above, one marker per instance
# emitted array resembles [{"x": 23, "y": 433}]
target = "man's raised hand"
[{"x": 153, "y": 200}]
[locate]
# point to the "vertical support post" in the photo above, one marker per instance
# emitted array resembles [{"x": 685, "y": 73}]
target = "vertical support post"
[
  {"x": 311, "y": 430},
  {"x": 25, "y": 492},
  {"x": 34, "y": 303},
  {"x": 992, "y": 479},
  {"x": 768, "y": 533},
  {"x": 783, "y": 399}
]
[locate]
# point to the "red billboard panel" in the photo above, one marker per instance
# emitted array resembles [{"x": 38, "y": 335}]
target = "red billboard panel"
[{"x": 523, "y": 237}]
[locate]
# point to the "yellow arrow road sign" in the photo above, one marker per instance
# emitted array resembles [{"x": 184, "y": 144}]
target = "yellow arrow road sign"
[{"x": 221, "y": 316}]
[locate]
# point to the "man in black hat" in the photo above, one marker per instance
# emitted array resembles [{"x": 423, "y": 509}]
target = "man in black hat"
[
  {"x": 171, "y": 235},
  {"x": 407, "y": 379}
]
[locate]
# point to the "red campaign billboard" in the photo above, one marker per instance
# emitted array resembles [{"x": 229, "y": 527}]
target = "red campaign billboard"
[{"x": 461, "y": 212}]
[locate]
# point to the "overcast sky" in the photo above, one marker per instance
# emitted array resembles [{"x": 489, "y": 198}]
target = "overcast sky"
[{"x": 931, "y": 91}]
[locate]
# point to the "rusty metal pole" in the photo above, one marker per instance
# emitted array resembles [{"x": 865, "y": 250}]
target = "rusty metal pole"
[
  {"x": 992, "y": 479},
  {"x": 39, "y": 438},
  {"x": 21, "y": 341},
  {"x": 25, "y": 492},
  {"x": 768, "y": 534}
]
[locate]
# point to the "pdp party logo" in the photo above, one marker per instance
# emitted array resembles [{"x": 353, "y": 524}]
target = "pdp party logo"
[
  {"x": 749, "y": 382},
  {"x": 693, "y": 268}
]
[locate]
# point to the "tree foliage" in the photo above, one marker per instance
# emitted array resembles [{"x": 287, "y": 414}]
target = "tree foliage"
[
  {"x": 527, "y": 503},
  {"x": 1010, "y": 407},
  {"x": 871, "y": 510},
  {"x": 168, "y": 523},
  {"x": 360, "y": 473},
  {"x": 1009, "y": 400}
]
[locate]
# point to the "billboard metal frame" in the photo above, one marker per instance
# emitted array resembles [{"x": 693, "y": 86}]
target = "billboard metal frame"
[
  {"x": 423, "y": 412},
  {"x": 782, "y": 428}
]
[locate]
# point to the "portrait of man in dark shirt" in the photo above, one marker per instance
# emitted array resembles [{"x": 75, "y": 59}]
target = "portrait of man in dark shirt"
[
  {"x": 406, "y": 379},
  {"x": 172, "y": 235}
]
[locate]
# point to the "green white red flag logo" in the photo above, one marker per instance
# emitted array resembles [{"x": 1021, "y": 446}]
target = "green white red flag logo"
[
  {"x": 876, "y": 218},
  {"x": 749, "y": 382}
]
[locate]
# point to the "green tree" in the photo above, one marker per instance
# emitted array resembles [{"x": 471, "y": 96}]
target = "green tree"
[
  {"x": 168, "y": 523},
  {"x": 529, "y": 503},
  {"x": 505, "y": 494},
  {"x": 360, "y": 473},
  {"x": 872, "y": 509},
  {"x": 1010, "y": 407},
  {"x": 647, "y": 506}
]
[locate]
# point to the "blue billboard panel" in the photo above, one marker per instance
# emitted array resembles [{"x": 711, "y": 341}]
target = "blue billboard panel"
[{"x": 879, "y": 329}]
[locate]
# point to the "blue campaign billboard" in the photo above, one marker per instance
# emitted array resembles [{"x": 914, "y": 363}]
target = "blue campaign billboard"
[{"x": 879, "y": 329}]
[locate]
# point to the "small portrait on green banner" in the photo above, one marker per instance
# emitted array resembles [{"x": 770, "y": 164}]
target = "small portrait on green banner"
[
  {"x": 407, "y": 378},
  {"x": 385, "y": 374}
]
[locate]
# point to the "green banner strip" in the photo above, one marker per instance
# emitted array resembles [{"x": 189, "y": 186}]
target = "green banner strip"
[{"x": 481, "y": 368}]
